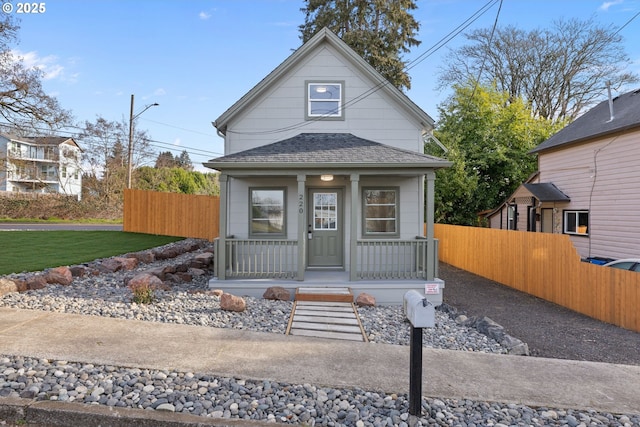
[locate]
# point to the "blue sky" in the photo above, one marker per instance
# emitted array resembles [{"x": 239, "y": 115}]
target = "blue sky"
[{"x": 196, "y": 58}]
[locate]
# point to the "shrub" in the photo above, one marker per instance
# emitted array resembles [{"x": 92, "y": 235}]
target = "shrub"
[{"x": 143, "y": 293}]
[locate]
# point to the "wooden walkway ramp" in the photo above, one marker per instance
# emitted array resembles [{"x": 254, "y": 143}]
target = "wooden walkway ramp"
[{"x": 325, "y": 313}]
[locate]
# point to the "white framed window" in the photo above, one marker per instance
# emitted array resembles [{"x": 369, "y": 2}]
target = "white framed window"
[
  {"x": 576, "y": 222},
  {"x": 380, "y": 212},
  {"x": 324, "y": 100},
  {"x": 267, "y": 212},
  {"x": 512, "y": 217}
]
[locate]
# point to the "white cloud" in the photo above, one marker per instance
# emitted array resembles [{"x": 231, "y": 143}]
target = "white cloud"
[
  {"x": 177, "y": 142},
  {"x": 606, "y": 5},
  {"x": 49, "y": 65},
  {"x": 204, "y": 15},
  {"x": 159, "y": 92}
]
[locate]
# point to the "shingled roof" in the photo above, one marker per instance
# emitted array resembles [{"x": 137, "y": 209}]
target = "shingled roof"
[
  {"x": 598, "y": 122},
  {"x": 326, "y": 149},
  {"x": 546, "y": 192}
]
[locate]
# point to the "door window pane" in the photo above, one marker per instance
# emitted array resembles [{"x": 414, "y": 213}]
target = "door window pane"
[{"x": 325, "y": 211}]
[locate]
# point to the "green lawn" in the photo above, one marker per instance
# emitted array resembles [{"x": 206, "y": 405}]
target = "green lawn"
[{"x": 36, "y": 250}]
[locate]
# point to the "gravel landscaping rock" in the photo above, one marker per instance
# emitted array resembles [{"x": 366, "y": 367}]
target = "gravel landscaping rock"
[{"x": 191, "y": 302}]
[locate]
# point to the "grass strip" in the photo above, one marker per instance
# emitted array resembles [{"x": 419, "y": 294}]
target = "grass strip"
[{"x": 37, "y": 250}]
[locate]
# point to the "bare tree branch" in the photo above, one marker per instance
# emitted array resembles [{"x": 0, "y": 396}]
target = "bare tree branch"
[{"x": 559, "y": 71}]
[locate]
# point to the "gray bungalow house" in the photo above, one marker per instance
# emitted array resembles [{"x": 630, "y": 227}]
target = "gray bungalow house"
[
  {"x": 587, "y": 184},
  {"x": 323, "y": 180}
]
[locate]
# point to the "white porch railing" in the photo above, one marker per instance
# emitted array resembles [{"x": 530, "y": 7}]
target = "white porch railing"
[{"x": 375, "y": 259}]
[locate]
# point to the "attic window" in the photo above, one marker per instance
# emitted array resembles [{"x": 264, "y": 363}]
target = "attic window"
[{"x": 324, "y": 100}]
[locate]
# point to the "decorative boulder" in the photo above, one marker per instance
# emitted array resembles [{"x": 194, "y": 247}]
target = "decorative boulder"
[
  {"x": 21, "y": 285},
  {"x": 60, "y": 275},
  {"x": 127, "y": 264},
  {"x": 230, "y": 302},
  {"x": 36, "y": 282},
  {"x": 7, "y": 286},
  {"x": 277, "y": 293},
  {"x": 78, "y": 271},
  {"x": 205, "y": 258},
  {"x": 110, "y": 265},
  {"x": 144, "y": 280},
  {"x": 146, "y": 257},
  {"x": 365, "y": 300}
]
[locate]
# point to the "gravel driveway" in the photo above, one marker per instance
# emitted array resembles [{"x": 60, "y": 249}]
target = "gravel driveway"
[{"x": 549, "y": 329}]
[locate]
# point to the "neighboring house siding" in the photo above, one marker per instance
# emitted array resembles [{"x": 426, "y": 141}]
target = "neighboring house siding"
[
  {"x": 34, "y": 165},
  {"x": 602, "y": 177},
  {"x": 373, "y": 117}
]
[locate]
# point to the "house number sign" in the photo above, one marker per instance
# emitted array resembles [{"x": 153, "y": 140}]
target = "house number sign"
[{"x": 300, "y": 203}]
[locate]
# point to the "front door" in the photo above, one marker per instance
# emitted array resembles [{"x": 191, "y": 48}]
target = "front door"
[{"x": 325, "y": 228}]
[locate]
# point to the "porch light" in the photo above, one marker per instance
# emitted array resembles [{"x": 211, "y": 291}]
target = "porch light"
[
  {"x": 321, "y": 89},
  {"x": 326, "y": 177}
]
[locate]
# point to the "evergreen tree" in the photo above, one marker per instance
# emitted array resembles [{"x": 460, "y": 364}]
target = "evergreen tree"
[
  {"x": 184, "y": 161},
  {"x": 165, "y": 160},
  {"x": 379, "y": 30}
]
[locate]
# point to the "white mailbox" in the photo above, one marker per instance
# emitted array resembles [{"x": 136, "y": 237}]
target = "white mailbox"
[{"x": 420, "y": 312}]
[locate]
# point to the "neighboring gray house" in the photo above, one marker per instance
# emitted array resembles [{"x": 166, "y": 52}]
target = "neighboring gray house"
[
  {"x": 40, "y": 165},
  {"x": 587, "y": 184},
  {"x": 323, "y": 179}
]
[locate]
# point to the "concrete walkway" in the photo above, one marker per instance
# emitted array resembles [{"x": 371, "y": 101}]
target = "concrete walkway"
[{"x": 332, "y": 363}]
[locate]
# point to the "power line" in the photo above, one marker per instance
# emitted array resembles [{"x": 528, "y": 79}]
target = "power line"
[
  {"x": 115, "y": 136},
  {"x": 627, "y": 23},
  {"x": 441, "y": 43}
]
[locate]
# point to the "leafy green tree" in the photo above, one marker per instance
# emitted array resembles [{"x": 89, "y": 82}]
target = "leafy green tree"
[
  {"x": 489, "y": 136},
  {"x": 558, "y": 71},
  {"x": 379, "y": 30},
  {"x": 177, "y": 180}
]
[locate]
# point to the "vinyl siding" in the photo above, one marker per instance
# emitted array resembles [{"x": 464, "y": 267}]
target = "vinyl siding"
[
  {"x": 411, "y": 216},
  {"x": 374, "y": 116},
  {"x": 602, "y": 177}
]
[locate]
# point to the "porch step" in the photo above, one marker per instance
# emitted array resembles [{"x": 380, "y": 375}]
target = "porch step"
[
  {"x": 324, "y": 293},
  {"x": 334, "y": 320}
]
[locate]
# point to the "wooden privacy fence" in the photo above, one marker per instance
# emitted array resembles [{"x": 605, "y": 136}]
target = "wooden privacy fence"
[
  {"x": 171, "y": 214},
  {"x": 547, "y": 266}
]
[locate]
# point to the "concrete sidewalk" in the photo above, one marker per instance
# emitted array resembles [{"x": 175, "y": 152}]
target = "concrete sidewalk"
[{"x": 332, "y": 363}]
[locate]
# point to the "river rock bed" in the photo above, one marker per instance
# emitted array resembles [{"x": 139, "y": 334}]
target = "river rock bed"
[{"x": 231, "y": 398}]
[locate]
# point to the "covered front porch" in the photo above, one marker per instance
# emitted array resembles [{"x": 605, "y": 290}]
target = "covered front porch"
[{"x": 330, "y": 210}]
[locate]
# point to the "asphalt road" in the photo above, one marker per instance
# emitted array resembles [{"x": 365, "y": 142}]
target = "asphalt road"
[{"x": 50, "y": 227}]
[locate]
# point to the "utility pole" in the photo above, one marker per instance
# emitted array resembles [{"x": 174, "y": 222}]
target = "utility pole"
[{"x": 130, "y": 149}]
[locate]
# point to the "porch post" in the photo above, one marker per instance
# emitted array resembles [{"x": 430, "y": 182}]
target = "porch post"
[
  {"x": 430, "y": 214},
  {"x": 302, "y": 229},
  {"x": 221, "y": 261},
  {"x": 353, "y": 240}
]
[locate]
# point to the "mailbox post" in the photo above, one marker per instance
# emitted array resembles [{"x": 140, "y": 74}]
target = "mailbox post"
[{"x": 421, "y": 313}]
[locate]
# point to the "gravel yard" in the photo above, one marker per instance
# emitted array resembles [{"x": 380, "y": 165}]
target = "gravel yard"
[{"x": 190, "y": 392}]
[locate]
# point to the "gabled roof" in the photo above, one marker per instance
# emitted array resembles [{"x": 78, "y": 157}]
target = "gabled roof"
[
  {"x": 597, "y": 122},
  {"x": 336, "y": 150},
  {"x": 42, "y": 140},
  {"x": 323, "y": 36},
  {"x": 546, "y": 192}
]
